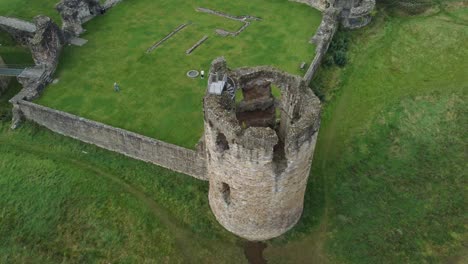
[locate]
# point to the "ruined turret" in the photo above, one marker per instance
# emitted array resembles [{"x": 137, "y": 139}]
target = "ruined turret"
[
  {"x": 259, "y": 149},
  {"x": 356, "y": 13}
]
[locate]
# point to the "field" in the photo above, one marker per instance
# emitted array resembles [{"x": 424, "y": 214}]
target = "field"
[
  {"x": 28, "y": 9},
  {"x": 388, "y": 183},
  {"x": 392, "y": 147},
  {"x": 156, "y": 98}
]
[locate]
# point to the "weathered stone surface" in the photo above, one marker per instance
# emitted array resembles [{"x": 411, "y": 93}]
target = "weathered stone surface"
[
  {"x": 318, "y": 4},
  {"x": 355, "y": 13},
  {"x": 170, "y": 156},
  {"x": 33, "y": 80},
  {"x": 110, "y": 3},
  {"x": 21, "y": 31},
  {"x": 47, "y": 42},
  {"x": 257, "y": 108},
  {"x": 75, "y": 12},
  {"x": 44, "y": 38},
  {"x": 322, "y": 40},
  {"x": 258, "y": 175}
]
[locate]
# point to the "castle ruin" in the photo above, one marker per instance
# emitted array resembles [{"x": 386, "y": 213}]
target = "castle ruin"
[
  {"x": 256, "y": 152},
  {"x": 258, "y": 163}
]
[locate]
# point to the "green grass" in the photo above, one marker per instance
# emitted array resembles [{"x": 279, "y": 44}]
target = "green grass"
[
  {"x": 388, "y": 183},
  {"x": 66, "y": 201},
  {"x": 27, "y": 9},
  {"x": 156, "y": 97},
  {"x": 391, "y": 154}
]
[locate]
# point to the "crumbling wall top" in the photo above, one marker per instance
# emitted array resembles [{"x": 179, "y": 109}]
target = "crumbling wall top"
[
  {"x": 300, "y": 109},
  {"x": 363, "y": 9}
]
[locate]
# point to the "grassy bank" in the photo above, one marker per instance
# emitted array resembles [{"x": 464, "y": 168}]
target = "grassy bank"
[
  {"x": 392, "y": 147},
  {"x": 66, "y": 201}
]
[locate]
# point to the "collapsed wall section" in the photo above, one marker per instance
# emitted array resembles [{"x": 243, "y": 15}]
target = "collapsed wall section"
[
  {"x": 76, "y": 12},
  {"x": 136, "y": 146},
  {"x": 258, "y": 173}
]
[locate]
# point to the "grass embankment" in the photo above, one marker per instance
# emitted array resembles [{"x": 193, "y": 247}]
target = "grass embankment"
[
  {"x": 391, "y": 155},
  {"x": 66, "y": 201},
  {"x": 156, "y": 98}
]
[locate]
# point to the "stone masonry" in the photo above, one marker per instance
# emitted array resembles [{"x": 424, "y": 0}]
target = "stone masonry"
[
  {"x": 258, "y": 166},
  {"x": 46, "y": 43},
  {"x": 256, "y": 154},
  {"x": 318, "y": 4},
  {"x": 354, "y": 13},
  {"x": 75, "y": 12},
  {"x": 21, "y": 31}
]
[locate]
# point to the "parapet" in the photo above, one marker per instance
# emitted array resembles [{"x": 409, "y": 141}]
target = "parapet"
[{"x": 259, "y": 150}]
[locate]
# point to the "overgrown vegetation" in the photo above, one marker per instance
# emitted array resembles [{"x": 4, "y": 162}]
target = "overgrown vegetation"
[{"x": 336, "y": 54}]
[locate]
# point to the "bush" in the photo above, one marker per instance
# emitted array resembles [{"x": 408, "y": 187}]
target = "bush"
[
  {"x": 328, "y": 61},
  {"x": 340, "y": 58},
  {"x": 338, "y": 49}
]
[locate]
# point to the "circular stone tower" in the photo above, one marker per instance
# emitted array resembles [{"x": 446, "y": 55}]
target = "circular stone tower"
[{"x": 258, "y": 149}]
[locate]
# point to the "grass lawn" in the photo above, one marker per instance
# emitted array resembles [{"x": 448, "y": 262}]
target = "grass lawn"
[
  {"x": 156, "y": 97},
  {"x": 27, "y": 9},
  {"x": 391, "y": 154}
]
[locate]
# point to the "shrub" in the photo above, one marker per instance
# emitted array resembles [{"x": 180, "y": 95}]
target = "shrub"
[
  {"x": 338, "y": 49},
  {"x": 340, "y": 58}
]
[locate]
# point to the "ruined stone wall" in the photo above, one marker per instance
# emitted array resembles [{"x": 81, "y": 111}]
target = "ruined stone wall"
[
  {"x": 356, "y": 13},
  {"x": 75, "y": 12},
  {"x": 136, "y": 146},
  {"x": 258, "y": 175},
  {"x": 318, "y": 4},
  {"x": 21, "y": 31},
  {"x": 322, "y": 39}
]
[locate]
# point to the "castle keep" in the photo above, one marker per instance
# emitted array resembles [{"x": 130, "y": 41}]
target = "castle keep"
[
  {"x": 256, "y": 151},
  {"x": 258, "y": 164}
]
